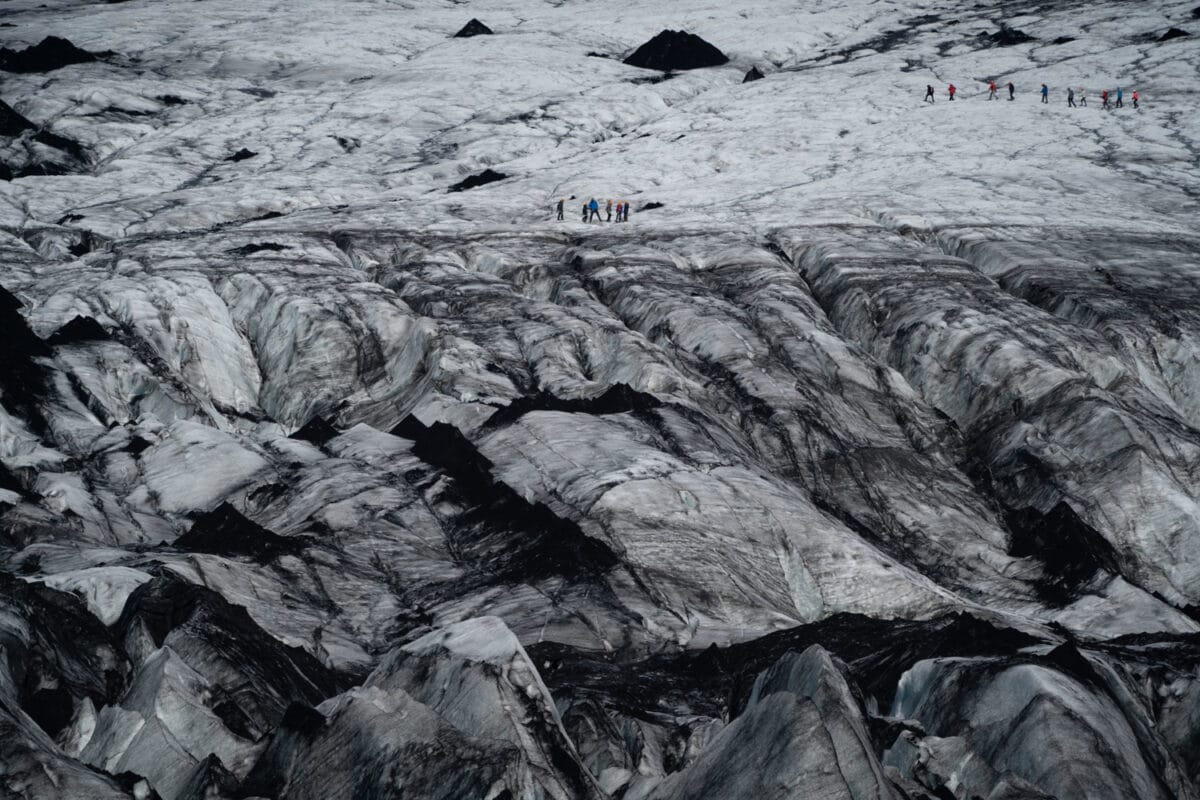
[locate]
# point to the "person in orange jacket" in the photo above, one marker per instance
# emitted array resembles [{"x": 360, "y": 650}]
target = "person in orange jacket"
[{"x": 1135, "y": 99}]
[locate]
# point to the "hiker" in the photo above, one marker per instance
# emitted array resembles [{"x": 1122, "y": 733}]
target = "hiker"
[
  {"x": 627, "y": 211},
  {"x": 593, "y": 210},
  {"x": 953, "y": 89},
  {"x": 1104, "y": 99},
  {"x": 1135, "y": 99},
  {"x": 929, "y": 92},
  {"x": 1012, "y": 90},
  {"x": 560, "y": 209},
  {"x": 1045, "y": 93},
  {"x": 585, "y": 212},
  {"x": 1083, "y": 97},
  {"x": 991, "y": 90},
  {"x": 1070, "y": 97},
  {"x": 608, "y": 210},
  {"x": 1120, "y": 98}
]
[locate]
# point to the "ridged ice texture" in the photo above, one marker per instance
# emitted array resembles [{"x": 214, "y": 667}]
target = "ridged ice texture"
[{"x": 861, "y": 463}]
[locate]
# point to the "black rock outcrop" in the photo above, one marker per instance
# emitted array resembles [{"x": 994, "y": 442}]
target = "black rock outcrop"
[
  {"x": 1006, "y": 37},
  {"x": 242, "y": 155},
  {"x": 672, "y": 50},
  {"x": 1173, "y": 33},
  {"x": 485, "y": 177},
  {"x": 49, "y": 54},
  {"x": 473, "y": 28},
  {"x": 753, "y": 75}
]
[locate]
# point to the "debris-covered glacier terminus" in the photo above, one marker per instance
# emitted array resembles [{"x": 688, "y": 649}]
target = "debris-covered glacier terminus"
[{"x": 857, "y": 458}]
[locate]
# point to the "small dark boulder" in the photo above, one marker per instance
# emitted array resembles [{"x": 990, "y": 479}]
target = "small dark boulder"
[
  {"x": 671, "y": 50},
  {"x": 473, "y": 28},
  {"x": 258, "y": 247},
  {"x": 650, "y": 206},
  {"x": 753, "y": 75},
  {"x": 12, "y": 123},
  {"x": 171, "y": 100},
  {"x": 1173, "y": 33},
  {"x": 242, "y": 155},
  {"x": 1196, "y": 12},
  {"x": 49, "y": 54},
  {"x": 1064, "y": 39},
  {"x": 485, "y": 177},
  {"x": 1006, "y": 37}
]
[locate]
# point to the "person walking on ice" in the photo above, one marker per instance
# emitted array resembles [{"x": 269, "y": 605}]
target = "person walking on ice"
[
  {"x": 1012, "y": 90},
  {"x": 1135, "y": 99},
  {"x": 1070, "y": 97},
  {"x": 928, "y": 93},
  {"x": 1104, "y": 99},
  {"x": 992, "y": 90},
  {"x": 953, "y": 89},
  {"x": 1045, "y": 93},
  {"x": 627, "y": 211},
  {"x": 1120, "y": 98},
  {"x": 1083, "y": 97},
  {"x": 593, "y": 210},
  {"x": 608, "y": 210},
  {"x": 560, "y": 209}
]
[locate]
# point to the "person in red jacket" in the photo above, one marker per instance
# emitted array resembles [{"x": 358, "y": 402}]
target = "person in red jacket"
[
  {"x": 1135, "y": 99},
  {"x": 952, "y": 91},
  {"x": 1104, "y": 99},
  {"x": 991, "y": 90}
]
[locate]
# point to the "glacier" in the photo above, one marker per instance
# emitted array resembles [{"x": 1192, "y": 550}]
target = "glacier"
[{"x": 861, "y": 462}]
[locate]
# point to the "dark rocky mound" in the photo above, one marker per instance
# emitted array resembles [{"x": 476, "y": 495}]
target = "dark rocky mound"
[
  {"x": 1064, "y": 39},
  {"x": 171, "y": 100},
  {"x": 1006, "y": 37},
  {"x": 242, "y": 155},
  {"x": 317, "y": 430},
  {"x": 12, "y": 123},
  {"x": 671, "y": 50},
  {"x": 48, "y": 54},
  {"x": 650, "y": 206},
  {"x": 1173, "y": 33},
  {"x": 753, "y": 75},
  {"x": 258, "y": 247},
  {"x": 485, "y": 177},
  {"x": 473, "y": 28},
  {"x": 80, "y": 329},
  {"x": 226, "y": 532}
]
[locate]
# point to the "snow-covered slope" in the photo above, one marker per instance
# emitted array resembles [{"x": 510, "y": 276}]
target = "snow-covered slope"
[{"x": 860, "y": 463}]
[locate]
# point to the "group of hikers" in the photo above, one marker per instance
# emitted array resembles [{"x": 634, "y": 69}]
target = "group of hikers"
[
  {"x": 1105, "y": 98},
  {"x": 591, "y": 210}
]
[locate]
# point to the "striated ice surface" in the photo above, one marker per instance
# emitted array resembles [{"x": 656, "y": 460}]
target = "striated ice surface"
[{"x": 860, "y": 463}]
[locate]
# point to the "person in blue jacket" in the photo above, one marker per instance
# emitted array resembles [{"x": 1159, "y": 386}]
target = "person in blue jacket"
[
  {"x": 594, "y": 210},
  {"x": 1045, "y": 93},
  {"x": 1120, "y": 98}
]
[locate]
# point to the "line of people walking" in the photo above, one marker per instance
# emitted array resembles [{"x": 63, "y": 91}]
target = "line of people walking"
[
  {"x": 1106, "y": 100},
  {"x": 591, "y": 210}
]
